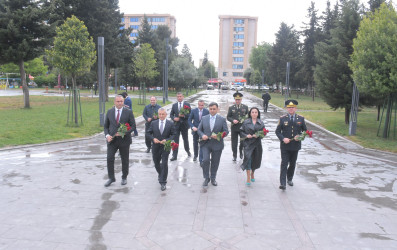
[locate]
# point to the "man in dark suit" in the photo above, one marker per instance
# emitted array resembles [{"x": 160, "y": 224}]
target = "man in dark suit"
[
  {"x": 194, "y": 121},
  {"x": 266, "y": 98},
  {"x": 149, "y": 113},
  {"x": 181, "y": 124},
  {"x": 209, "y": 126},
  {"x": 234, "y": 115},
  {"x": 160, "y": 131},
  {"x": 289, "y": 127},
  {"x": 114, "y": 117}
]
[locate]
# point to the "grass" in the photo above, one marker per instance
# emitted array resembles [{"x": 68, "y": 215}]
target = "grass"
[
  {"x": 46, "y": 120},
  {"x": 334, "y": 120}
]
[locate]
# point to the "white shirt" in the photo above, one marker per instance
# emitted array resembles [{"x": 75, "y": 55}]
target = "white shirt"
[{"x": 115, "y": 113}]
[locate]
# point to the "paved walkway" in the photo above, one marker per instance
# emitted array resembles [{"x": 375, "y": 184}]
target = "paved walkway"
[{"x": 345, "y": 197}]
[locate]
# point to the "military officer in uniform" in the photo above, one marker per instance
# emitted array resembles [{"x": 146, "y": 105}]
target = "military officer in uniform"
[
  {"x": 234, "y": 115},
  {"x": 289, "y": 127}
]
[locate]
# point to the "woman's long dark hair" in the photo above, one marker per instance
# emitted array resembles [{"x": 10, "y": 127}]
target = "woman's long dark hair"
[{"x": 259, "y": 113}]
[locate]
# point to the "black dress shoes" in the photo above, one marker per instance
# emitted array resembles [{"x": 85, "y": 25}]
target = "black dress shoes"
[
  {"x": 205, "y": 183},
  {"x": 189, "y": 154},
  {"x": 241, "y": 156},
  {"x": 214, "y": 183},
  {"x": 163, "y": 187},
  {"x": 110, "y": 181},
  {"x": 124, "y": 182},
  {"x": 173, "y": 159},
  {"x": 282, "y": 187},
  {"x": 290, "y": 183},
  {"x": 234, "y": 158},
  {"x": 195, "y": 158},
  {"x": 148, "y": 150}
]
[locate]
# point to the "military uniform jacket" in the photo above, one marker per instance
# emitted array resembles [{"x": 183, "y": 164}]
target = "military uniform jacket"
[
  {"x": 288, "y": 129},
  {"x": 236, "y": 114}
]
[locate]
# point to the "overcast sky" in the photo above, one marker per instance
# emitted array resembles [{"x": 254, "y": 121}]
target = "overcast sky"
[{"x": 197, "y": 22}]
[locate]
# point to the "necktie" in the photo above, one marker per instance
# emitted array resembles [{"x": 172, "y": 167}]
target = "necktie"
[
  {"x": 180, "y": 106},
  {"x": 201, "y": 113},
  {"x": 161, "y": 127},
  {"x": 291, "y": 118},
  {"x": 212, "y": 122},
  {"x": 118, "y": 116}
]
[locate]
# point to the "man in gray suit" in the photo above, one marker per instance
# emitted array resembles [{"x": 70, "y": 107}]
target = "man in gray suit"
[{"x": 208, "y": 129}]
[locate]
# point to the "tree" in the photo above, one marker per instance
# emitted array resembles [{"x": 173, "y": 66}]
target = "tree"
[
  {"x": 328, "y": 18},
  {"x": 286, "y": 49},
  {"x": 375, "y": 4},
  {"x": 259, "y": 60},
  {"x": 332, "y": 73},
  {"x": 23, "y": 35},
  {"x": 186, "y": 53},
  {"x": 145, "y": 63},
  {"x": 182, "y": 73},
  {"x": 145, "y": 33},
  {"x": 73, "y": 52},
  {"x": 374, "y": 59}
]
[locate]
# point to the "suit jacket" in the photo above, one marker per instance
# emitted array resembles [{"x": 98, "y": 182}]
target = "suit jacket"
[
  {"x": 182, "y": 123},
  {"x": 288, "y": 129},
  {"x": 111, "y": 126},
  {"x": 128, "y": 102},
  {"x": 149, "y": 110},
  {"x": 194, "y": 117},
  {"x": 204, "y": 128},
  {"x": 236, "y": 114},
  {"x": 154, "y": 132}
]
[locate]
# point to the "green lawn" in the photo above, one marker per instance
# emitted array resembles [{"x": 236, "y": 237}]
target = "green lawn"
[
  {"x": 46, "y": 120},
  {"x": 320, "y": 113}
]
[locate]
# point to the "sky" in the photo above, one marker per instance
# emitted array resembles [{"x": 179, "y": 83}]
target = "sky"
[{"x": 197, "y": 22}]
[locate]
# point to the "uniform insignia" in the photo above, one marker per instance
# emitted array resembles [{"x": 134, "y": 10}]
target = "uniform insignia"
[{"x": 286, "y": 123}]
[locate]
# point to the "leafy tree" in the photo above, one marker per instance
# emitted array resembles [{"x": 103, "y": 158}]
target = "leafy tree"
[
  {"x": 205, "y": 60},
  {"x": 73, "y": 52},
  {"x": 374, "y": 60},
  {"x": 182, "y": 73},
  {"x": 259, "y": 60},
  {"x": 247, "y": 75},
  {"x": 145, "y": 63},
  {"x": 145, "y": 33},
  {"x": 332, "y": 73},
  {"x": 256, "y": 77},
  {"x": 23, "y": 35},
  {"x": 286, "y": 49},
  {"x": 328, "y": 18},
  {"x": 186, "y": 53},
  {"x": 375, "y": 4}
]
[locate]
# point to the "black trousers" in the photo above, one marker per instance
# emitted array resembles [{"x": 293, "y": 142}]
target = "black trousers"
[
  {"x": 196, "y": 147},
  {"x": 124, "y": 148},
  {"x": 288, "y": 157},
  {"x": 184, "y": 132},
  {"x": 265, "y": 105},
  {"x": 210, "y": 162},
  {"x": 160, "y": 159},
  {"x": 148, "y": 142},
  {"x": 235, "y": 139}
]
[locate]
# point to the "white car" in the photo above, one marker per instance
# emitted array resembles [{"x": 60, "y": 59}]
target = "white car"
[{"x": 237, "y": 87}]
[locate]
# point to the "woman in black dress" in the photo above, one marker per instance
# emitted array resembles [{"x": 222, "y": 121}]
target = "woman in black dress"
[{"x": 252, "y": 143}]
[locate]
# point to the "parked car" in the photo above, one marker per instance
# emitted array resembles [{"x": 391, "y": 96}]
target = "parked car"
[
  {"x": 122, "y": 87},
  {"x": 210, "y": 87},
  {"x": 237, "y": 88},
  {"x": 224, "y": 87}
]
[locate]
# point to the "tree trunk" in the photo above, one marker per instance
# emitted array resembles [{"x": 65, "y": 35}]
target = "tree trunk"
[
  {"x": 347, "y": 115},
  {"x": 388, "y": 117},
  {"x": 25, "y": 88},
  {"x": 76, "y": 119},
  {"x": 377, "y": 118}
]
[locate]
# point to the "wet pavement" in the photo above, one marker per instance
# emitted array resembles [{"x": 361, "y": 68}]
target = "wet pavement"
[{"x": 344, "y": 197}]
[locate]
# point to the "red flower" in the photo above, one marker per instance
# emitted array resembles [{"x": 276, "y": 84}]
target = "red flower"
[
  {"x": 174, "y": 145},
  {"x": 265, "y": 131},
  {"x": 224, "y": 134},
  {"x": 309, "y": 133},
  {"x": 186, "y": 107},
  {"x": 128, "y": 126}
]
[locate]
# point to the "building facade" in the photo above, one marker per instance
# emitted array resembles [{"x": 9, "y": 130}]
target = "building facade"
[
  {"x": 237, "y": 36},
  {"x": 134, "y": 21}
]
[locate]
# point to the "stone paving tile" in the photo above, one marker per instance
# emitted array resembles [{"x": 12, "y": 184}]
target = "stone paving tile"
[
  {"x": 33, "y": 245},
  {"x": 63, "y": 235},
  {"x": 191, "y": 242}
]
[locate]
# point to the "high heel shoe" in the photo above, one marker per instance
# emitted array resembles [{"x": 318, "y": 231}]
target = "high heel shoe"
[
  {"x": 253, "y": 179},
  {"x": 248, "y": 184}
]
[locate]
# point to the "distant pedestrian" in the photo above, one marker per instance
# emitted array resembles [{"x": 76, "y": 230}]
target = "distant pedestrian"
[
  {"x": 252, "y": 143},
  {"x": 128, "y": 104},
  {"x": 266, "y": 98},
  {"x": 289, "y": 127},
  {"x": 150, "y": 114}
]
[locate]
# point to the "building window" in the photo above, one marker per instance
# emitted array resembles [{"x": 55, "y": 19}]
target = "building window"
[
  {"x": 122, "y": 19},
  {"x": 238, "y": 51},
  {"x": 154, "y": 27},
  {"x": 238, "y": 44},
  {"x": 156, "y": 19},
  {"x": 133, "y": 41},
  {"x": 134, "y": 34},
  {"x": 238, "y": 59},
  {"x": 239, "y": 21},
  {"x": 224, "y": 73},
  {"x": 235, "y": 74},
  {"x": 122, "y": 27},
  {"x": 238, "y": 29},
  {"x": 237, "y": 66},
  {"x": 238, "y": 36},
  {"x": 135, "y": 27},
  {"x": 134, "y": 19}
]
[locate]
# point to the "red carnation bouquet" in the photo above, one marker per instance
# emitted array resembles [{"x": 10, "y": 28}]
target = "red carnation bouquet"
[
  {"x": 259, "y": 134},
  {"x": 185, "y": 110},
  {"x": 123, "y": 129},
  {"x": 302, "y": 136},
  {"x": 219, "y": 135},
  {"x": 168, "y": 145}
]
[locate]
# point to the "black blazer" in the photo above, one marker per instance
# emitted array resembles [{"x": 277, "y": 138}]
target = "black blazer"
[
  {"x": 288, "y": 129},
  {"x": 183, "y": 123},
  {"x": 111, "y": 126},
  {"x": 154, "y": 132}
]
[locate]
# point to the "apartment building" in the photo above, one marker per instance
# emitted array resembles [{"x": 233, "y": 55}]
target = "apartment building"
[
  {"x": 134, "y": 21},
  {"x": 237, "y": 36}
]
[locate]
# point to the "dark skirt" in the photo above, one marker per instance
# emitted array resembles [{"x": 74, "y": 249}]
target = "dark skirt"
[{"x": 252, "y": 154}]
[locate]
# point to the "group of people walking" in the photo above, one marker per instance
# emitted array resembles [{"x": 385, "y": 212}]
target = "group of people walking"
[{"x": 209, "y": 129}]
